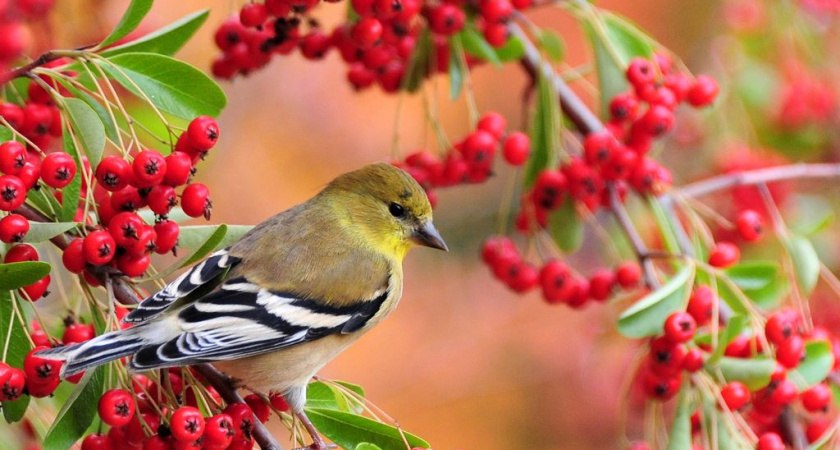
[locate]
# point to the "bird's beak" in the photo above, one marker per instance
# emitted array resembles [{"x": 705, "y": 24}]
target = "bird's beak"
[{"x": 427, "y": 235}]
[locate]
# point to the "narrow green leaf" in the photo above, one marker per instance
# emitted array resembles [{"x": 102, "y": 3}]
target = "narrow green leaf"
[
  {"x": 552, "y": 44},
  {"x": 732, "y": 295},
  {"x": 353, "y": 387},
  {"x": 6, "y": 134},
  {"x": 806, "y": 263},
  {"x": 754, "y": 372},
  {"x": 770, "y": 296},
  {"x": 171, "y": 85},
  {"x": 78, "y": 411},
  {"x": 544, "y": 130},
  {"x": 646, "y": 316},
  {"x": 208, "y": 246},
  {"x": 753, "y": 275},
  {"x": 43, "y": 231},
  {"x": 73, "y": 191},
  {"x": 18, "y": 347},
  {"x": 368, "y": 446},
  {"x": 457, "y": 70},
  {"x": 165, "y": 41},
  {"x": 733, "y": 329},
  {"x": 109, "y": 126},
  {"x": 679, "y": 437},
  {"x": 566, "y": 227},
  {"x": 349, "y": 430},
  {"x": 89, "y": 128},
  {"x": 135, "y": 13},
  {"x": 819, "y": 359},
  {"x": 513, "y": 50},
  {"x": 194, "y": 236},
  {"x": 321, "y": 395},
  {"x": 418, "y": 65},
  {"x": 666, "y": 224},
  {"x": 20, "y": 274},
  {"x": 476, "y": 45}
]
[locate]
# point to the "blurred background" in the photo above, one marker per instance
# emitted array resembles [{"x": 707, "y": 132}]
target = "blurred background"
[{"x": 463, "y": 362}]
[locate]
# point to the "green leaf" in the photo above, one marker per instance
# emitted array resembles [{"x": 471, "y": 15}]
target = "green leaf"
[
  {"x": 6, "y": 134},
  {"x": 806, "y": 263},
  {"x": 165, "y": 41},
  {"x": 177, "y": 214},
  {"x": 733, "y": 329},
  {"x": 731, "y": 294},
  {"x": 615, "y": 41},
  {"x": 753, "y": 372},
  {"x": 476, "y": 45},
  {"x": 353, "y": 387},
  {"x": 819, "y": 359},
  {"x": 368, "y": 446},
  {"x": 771, "y": 295},
  {"x": 544, "y": 130},
  {"x": 680, "y": 436},
  {"x": 212, "y": 241},
  {"x": 108, "y": 123},
  {"x": 349, "y": 430},
  {"x": 666, "y": 224},
  {"x": 135, "y": 13},
  {"x": 43, "y": 231},
  {"x": 321, "y": 395},
  {"x": 552, "y": 44},
  {"x": 753, "y": 275},
  {"x": 196, "y": 235},
  {"x": 513, "y": 50},
  {"x": 646, "y": 316},
  {"x": 457, "y": 71},
  {"x": 89, "y": 129},
  {"x": 418, "y": 65},
  {"x": 78, "y": 411},
  {"x": 18, "y": 347},
  {"x": 73, "y": 191},
  {"x": 20, "y": 274},
  {"x": 172, "y": 86},
  {"x": 566, "y": 227}
]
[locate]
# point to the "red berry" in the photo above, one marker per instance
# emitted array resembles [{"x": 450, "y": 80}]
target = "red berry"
[
  {"x": 253, "y": 14},
  {"x": 666, "y": 358},
  {"x": 315, "y": 45},
  {"x": 162, "y": 199},
  {"x": 446, "y": 19},
  {"x": 791, "y": 352},
  {"x": 260, "y": 408},
  {"x": 703, "y": 92},
  {"x": 97, "y": 442},
  {"x": 29, "y": 175},
  {"x": 496, "y": 34},
  {"x": 124, "y": 227},
  {"x": 38, "y": 369},
  {"x": 278, "y": 402},
  {"x": 114, "y": 173},
  {"x": 76, "y": 333},
  {"x": 693, "y": 360},
  {"x": 496, "y": 10},
  {"x": 517, "y": 148},
  {"x": 750, "y": 225},
  {"x": 219, "y": 430},
  {"x": 724, "y": 254},
  {"x": 640, "y": 72},
  {"x": 549, "y": 189},
  {"x": 37, "y": 289},
  {"x": 178, "y": 169},
  {"x": 628, "y": 275},
  {"x": 167, "y": 236},
  {"x": 243, "y": 418},
  {"x": 37, "y": 120},
  {"x": 203, "y": 131},
  {"x": 187, "y": 424},
  {"x": 13, "y": 228},
  {"x": 736, "y": 395},
  {"x": 149, "y": 168},
  {"x": 135, "y": 432},
  {"x": 73, "y": 256},
  {"x": 624, "y": 107},
  {"x": 701, "y": 304},
  {"x": 601, "y": 284},
  {"x": 479, "y": 148},
  {"x": 781, "y": 326},
  {"x": 12, "y": 157},
  {"x": 656, "y": 120},
  {"x": 58, "y": 170},
  {"x": 816, "y": 429},
  {"x": 12, "y": 192},
  {"x": 195, "y": 200},
  {"x": 521, "y": 277},
  {"x": 770, "y": 441},
  {"x": 817, "y": 398},
  {"x": 493, "y": 123},
  {"x": 661, "y": 388},
  {"x": 556, "y": 282},
  {"x": 366, "y": 32},
  {"x": 116, "y": 407},
  {"x": 386, "y": 9},
  {"x": 99, "y": 247},
  {"x": 680, "y": 327},
  {"x": 133, "y": 265},
  {"x": 12, "y": 382},
  {"x": 145, "y": 242},
  {"x": 127, "y": 199},
  {"x": 599, "y": 147},
  {"x": 21, "y": 253}
]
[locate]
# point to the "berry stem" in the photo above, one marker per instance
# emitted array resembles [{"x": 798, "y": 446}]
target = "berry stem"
[
  {"x": 639, "y": 247},
  {"x": 792, "y": 429}
]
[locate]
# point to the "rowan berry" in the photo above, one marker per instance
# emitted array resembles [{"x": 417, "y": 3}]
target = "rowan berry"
[
  {"x": 195, "y": 200},
  {"x": 13, "y": 228},
  {"x": 750, "y": 225},
  {"x": 12, "y": 192},
  {"x": 12, "y": 157},
  {"x": 680, "y": 327},
  {"x": 628, "y": 274},
  {"x": 736, "y": 395},
  {"x": 724, "y": 254},
  {"x": 114, "y": 173},
  {"x": 149, "y": 168},
  {"x": 58, "y": 170},
  {"x": 203, "y": 132},
  {"x": 99, "y": 247}
]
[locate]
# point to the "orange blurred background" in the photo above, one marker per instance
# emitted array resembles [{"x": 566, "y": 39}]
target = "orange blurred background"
[{"x": 463, "y": 362}]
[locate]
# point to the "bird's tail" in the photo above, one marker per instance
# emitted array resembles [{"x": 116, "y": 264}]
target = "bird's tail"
[{"x": 97, "y": 351}]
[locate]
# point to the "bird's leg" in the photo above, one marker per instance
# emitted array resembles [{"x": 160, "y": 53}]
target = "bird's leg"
[{"x": 317, "y": 441}]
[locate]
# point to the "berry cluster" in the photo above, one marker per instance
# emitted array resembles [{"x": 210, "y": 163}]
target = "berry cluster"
[
  {"x": 377, "y": 42},
  {"x": 557, "y": 281},
  {"x": 138, "y": 422},
  {"x": 14, "y": 27},
  {"x": 472, "y": 159}
]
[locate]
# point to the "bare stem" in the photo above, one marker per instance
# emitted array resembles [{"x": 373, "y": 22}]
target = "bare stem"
[{"x": 759, "y": 176}]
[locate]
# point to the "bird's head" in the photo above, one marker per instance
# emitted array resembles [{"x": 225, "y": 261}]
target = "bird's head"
[{"x": 388, "y": 208}]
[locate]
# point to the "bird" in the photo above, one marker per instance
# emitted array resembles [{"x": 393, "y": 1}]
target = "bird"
[{"x": 273, "y": 308}]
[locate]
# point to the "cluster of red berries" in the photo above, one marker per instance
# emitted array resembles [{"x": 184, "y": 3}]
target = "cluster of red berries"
[
  {"x": 377, "y": 43},
  {"x": 617, "y": 155},
  {"x": 17, "y": 37},
  {"x": 676, "y": 352},
  {"x": 557, "y": 281},
  {"x": 136, "y": 423},
  {"x": 472, "y": 159}
]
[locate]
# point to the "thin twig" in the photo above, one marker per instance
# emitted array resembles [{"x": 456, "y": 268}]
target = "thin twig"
[
  {"x": 639, "y": 247},
  {"x": 758, "y": 176},
  {"x": 792, "y": 429}
]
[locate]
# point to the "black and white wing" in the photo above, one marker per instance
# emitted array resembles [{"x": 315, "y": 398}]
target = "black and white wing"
[
  {"x": 202, "y": 274},
  {"x": 242, "y": 319}
]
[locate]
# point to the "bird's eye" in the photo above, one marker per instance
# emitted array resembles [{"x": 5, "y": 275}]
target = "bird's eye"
[{"x": 396, "y": 210}]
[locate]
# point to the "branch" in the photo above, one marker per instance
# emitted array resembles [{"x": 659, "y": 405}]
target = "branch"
[
  {"x": 125, "y": 294},
  {"x": 639, "y": 247},
  {"x": 792, "y": 429},
  {"x": 758, "y": 176}
]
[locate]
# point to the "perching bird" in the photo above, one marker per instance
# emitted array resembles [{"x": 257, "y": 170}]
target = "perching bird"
[{"x": 272, "y": 309}]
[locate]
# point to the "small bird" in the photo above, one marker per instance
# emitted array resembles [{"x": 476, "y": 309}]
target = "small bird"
[{"x": 272, "y": 309}]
